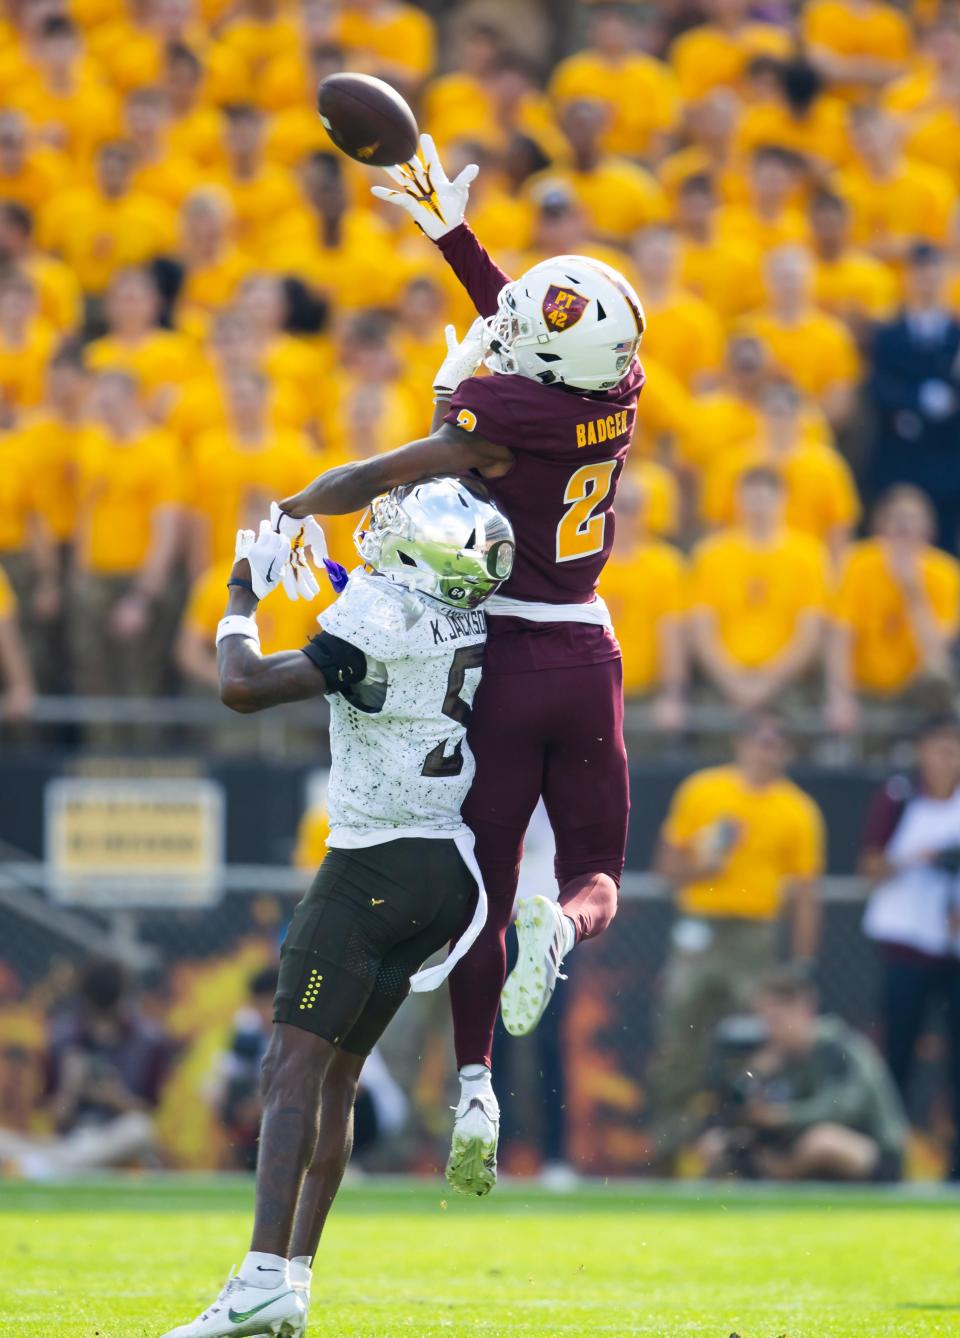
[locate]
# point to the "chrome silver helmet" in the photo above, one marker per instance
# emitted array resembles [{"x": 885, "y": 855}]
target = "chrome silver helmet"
[{"x": 443, "y": 536}]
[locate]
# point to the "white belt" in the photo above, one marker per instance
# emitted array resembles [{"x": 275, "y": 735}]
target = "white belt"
[
  {"x": 433, "y": 976},
  {"x": 595, "y": 612}
]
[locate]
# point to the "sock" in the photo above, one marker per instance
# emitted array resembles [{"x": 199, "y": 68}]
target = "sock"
[
  {"x": 263, "y": 1270},
  {"x": 301, "y": 1271},
  {"x": 475, "y": 1073},
  {"x": 569, "y": 935}
]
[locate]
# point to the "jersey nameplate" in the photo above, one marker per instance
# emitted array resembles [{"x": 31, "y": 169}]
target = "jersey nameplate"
[{"x": 602, "y": 429}]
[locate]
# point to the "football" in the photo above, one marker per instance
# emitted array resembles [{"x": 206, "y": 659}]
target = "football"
[{"x": 367, "y": 119}]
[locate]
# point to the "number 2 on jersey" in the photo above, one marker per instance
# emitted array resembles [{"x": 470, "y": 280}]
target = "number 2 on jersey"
[
  {"x": 581, "y": 533},
  {"x": 437, "y": 761}
]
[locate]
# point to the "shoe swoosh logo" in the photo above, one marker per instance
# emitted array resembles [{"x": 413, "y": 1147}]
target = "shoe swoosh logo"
[{"x": 238, "y": 1316}]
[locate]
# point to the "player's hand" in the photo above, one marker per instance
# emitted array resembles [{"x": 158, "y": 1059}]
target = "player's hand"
[
  {"x": 268, "y": 554},
  {"x": 433, "y": 201},
  {"x": 300, "y": 581},
  {"x": 463, "y": 358}
]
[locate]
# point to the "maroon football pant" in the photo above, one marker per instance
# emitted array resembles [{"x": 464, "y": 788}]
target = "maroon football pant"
[{"x": 559, "y": 733}]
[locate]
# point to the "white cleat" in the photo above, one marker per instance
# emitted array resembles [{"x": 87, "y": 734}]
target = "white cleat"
[
  {"x": 541, "y": 938},
  {"x": 241, "y": 1309},
  {"x": 472, "y": 1164}
]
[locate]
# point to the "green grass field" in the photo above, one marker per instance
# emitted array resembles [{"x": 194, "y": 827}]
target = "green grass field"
[{"x": 129, "y": 1259}]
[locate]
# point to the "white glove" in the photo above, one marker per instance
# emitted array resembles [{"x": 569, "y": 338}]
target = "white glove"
[
  {"x": 268, "y": 554},
  {"x": 432, "y": 200},
  {"x": 463, "y": 358},
  {"x": 299, "y": 579}
]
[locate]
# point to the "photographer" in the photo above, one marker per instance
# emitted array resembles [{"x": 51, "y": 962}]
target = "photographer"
[
  {"x": 815, "y": 1102},
  {"x": 912, "y": 851}
]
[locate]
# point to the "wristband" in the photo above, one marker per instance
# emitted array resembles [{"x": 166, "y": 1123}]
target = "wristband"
[
  {"x": 240, "y": 584},
  {"x": 235, "y": 624}
]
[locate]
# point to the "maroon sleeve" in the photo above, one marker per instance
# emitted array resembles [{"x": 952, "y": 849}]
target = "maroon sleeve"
[
  {"x": 886, "y": 810},
  {"x": 497, "y": 408},
  {"x": 474, "y": 268}
]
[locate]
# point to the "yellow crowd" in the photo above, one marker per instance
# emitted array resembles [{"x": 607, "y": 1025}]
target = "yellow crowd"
[{"x": 201, "y": 306}]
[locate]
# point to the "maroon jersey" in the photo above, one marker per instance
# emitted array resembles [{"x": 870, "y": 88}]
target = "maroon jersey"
[{"x": 569, "y": 448}]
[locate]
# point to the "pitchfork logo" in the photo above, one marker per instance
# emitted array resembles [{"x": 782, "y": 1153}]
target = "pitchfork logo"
[{"x": 562, "y": 307}]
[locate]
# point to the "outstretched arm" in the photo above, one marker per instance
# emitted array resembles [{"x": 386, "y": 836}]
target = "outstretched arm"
[
  {"x": 437, "y": 205},
  {"x": 449, "y": 450},
  {"x": 250, "y": 681}
]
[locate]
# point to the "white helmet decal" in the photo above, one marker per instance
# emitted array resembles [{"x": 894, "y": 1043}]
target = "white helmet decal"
[{"x": 570, "y": 320}]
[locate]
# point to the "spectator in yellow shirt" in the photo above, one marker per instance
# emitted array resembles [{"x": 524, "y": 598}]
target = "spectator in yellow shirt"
[
  {"x": 769, "y": 217},
  {"x": 368, "y": 409},
  {"x": 897, "y": 614},
  {"x": 619, "y": 196},
  {"x": 848, "y": 282},
  {"x": 814, "y": 349},
  {"x": 258, "y": 32},
  {"x": 391, "y": 40},
  {"x": 196, "y": 128},
  {"x": 718, "y": 52},
  {"x": 58, "y": 293},
  {"x": 202, "y": 404},
  {"x": 683, "y": 332},
  {"x": 858, "y": 45},
  {"x": 26, "y": 342},
  {"x": 740, "y": 843},
  {"x": 130, "y": 491},
  {"x": 16, "y": 679},
  {"x": 895, "y": 200},
  {"x": 52, "y": 434},
  {"x": 263, "y": 195},
  {"x": 724, "y": 271},
  {"x": 160, "y": 171},
  {"x": 285, "y": 359},
  {"x": 729, "y": 415},
  {"x": 107, "y": 226},
  {"x": 644, "y": 587},
  {"x": 820, "y": 493},
  {"x": 561, "y": 226},
  {"x": 641, "y": 93},
  {"x": 344, "y": 254},
  {"x": 62, "y": 93},
  {"x": 30, "y": 172},
  {"x": 797, "y": 115},
  {"x": 758, "y": 597},
  {"x": 132, "y": 48},
  {"x": 931, "y": 79},
  {"x": 235, "y": 466},
  {"x": 710, "y": 150},
  {"x": 212, "y": 266},
  {"x": 419, "y": 341},
  {"x": 28, "y": 558},
  {"x": 159, "y": 360},
  {"x": 458, "y": 103}
]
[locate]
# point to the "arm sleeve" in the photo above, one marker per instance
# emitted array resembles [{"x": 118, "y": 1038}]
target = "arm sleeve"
[
  {"x": 473, "y": 267},
  {"x": 341, "y": 664}
]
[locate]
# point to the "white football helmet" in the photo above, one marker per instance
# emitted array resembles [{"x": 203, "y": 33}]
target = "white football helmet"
[
  {"x": 569, "y": 320},
  {"x": 444, "y": 536}
]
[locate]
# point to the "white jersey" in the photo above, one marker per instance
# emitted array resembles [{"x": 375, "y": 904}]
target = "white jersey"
[{"x": 401, "y": 765}]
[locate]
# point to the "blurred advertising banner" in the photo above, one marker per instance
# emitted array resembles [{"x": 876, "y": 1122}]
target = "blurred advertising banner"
[{"x": 131, "y": 842}]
